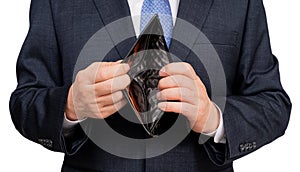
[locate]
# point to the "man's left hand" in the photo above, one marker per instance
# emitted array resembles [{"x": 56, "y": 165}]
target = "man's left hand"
[{"x": 182, "y": 84}]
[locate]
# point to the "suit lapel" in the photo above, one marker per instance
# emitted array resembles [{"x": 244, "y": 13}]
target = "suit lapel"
[
  {"x": 194, "y": 12},
  {"x": 110, "y": 11}
]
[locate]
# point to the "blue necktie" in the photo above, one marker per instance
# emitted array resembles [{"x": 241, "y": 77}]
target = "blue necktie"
[{"x": 163, "y": 9}]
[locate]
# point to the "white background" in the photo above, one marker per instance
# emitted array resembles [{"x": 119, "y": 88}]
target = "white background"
[{"x": 19, "y": 154}]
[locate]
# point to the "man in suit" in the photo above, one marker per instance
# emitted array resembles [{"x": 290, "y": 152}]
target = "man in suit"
[{"x": 47, "y": 103}]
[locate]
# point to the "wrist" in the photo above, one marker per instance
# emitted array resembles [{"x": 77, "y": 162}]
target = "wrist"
[
  {"x": 70, "y": 110},
  {"x": 213, "y": 119}
]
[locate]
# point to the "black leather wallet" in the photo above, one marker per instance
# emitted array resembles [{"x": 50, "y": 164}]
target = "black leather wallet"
[{"x": 148, "y": 55}]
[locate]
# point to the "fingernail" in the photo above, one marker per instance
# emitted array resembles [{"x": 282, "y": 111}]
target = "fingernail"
[
  {"x": 128, "y": 80},
  {"x": 162, "y": 72},
  {"x": 126, "y": 67},
  {"x": 161, "y": 106},
  {"x": 158, "y": 96}
]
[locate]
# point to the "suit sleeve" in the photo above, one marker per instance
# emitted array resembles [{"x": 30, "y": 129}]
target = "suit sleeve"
[
  {"x": 258, "y": 112},
  {"x": 38, "y": 103}
]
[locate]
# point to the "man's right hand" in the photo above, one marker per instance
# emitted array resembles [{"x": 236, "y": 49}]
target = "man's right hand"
[{"x": 96, "y": 91}]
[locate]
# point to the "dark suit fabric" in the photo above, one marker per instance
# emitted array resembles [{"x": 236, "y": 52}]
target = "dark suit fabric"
[{"x": 257, "y": 108}]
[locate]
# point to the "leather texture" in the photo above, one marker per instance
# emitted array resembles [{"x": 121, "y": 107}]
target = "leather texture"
[{"x": 148, "y": 55}]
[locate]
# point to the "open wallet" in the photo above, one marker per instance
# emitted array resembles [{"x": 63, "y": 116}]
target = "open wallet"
[{"x": 148, "y": 55}]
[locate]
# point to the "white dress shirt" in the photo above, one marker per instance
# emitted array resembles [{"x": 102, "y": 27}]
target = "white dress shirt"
[{"x": 135, "y": 10}]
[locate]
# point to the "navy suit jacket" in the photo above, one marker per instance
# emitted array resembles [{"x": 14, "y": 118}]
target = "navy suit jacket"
[{"x": 257, "y": 108}]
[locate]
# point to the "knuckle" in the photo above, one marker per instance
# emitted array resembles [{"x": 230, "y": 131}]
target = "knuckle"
[
  {"x": 188, "y": 65},
  {"x": 100, "y": 100},
  {"x": 96, "y": 67},
  {"x": 96, "y": 90},
  {"x": 80, "y": 77},
  {"x": 92, "y": 93},
  {"x": 95, "y": 64},
  {"x": 81, "y": 92},
  {"x": 100, "y": 105},
  {"x": 118, "y": 96},
  {"x": 100, "y": 74},
  {"x": 107, "y": 85}
]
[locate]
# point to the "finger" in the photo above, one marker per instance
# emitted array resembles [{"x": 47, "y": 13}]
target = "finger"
[
  {"x": 112, "y": 85},
  {"x": 110, "y": 99},
  {"x": 178, "y": 68},
  {"x": 105, "y": 72},
  {"x": 89, "y": 74},
  {"x": 106, "y": 111},
  {"x": 180, "y": 94},
  {"x": 176, "y": 81},
  {"x": 178, "y": 107}
]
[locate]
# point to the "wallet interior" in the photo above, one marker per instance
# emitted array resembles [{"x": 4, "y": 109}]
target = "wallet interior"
[{"x": 148, "y": 55}]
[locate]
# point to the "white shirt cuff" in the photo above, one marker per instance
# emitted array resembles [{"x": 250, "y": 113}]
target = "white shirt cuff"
[
  {"x": 219, "y": 133},
  {"x": 68, "y": 124}
]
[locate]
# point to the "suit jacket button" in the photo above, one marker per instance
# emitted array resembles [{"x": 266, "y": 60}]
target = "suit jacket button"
[
  {"x": 41, "y": 141},
  {"x": 250, "y": 146},
  {"x": 46, "y": 142},
  {"x": 242, "y": 147}
]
